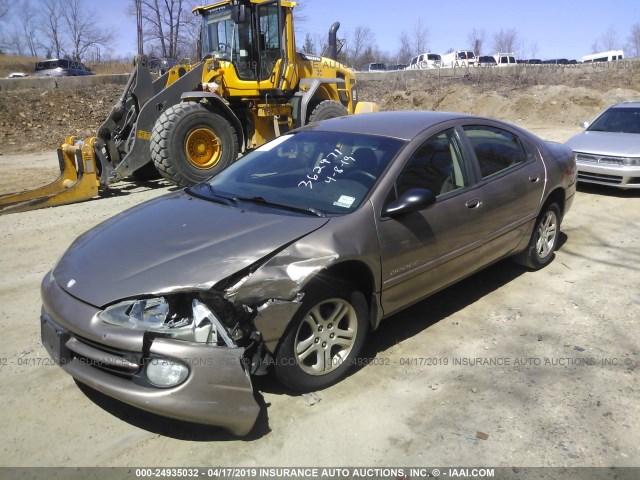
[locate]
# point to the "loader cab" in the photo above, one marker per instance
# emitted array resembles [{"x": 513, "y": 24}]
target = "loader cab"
[{"x": 255, "y": 38}]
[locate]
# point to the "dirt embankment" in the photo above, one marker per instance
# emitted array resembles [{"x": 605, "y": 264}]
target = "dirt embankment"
[
  {"x": 506, "y": 368},
  {"x": 545, "y": 97},
  {"x": 38, "y": 120},
  {"x": 32, "y": 120}
]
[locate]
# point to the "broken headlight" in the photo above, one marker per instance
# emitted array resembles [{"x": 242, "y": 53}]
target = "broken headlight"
[
  {"x": 179, "y": 318},
  {"x": 148, "y": 314}
]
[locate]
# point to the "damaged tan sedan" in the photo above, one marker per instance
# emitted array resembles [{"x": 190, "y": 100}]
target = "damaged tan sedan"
[{"x": 286, "y": 260}]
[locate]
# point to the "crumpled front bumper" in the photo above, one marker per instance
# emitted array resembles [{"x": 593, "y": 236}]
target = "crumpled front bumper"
[{"x": 217, "y": 390}]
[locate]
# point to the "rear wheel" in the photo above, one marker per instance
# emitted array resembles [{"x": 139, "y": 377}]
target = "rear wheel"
[
  {"x": 327, "y": 109},
  {"x": 190, "y": 143},
  {"x": 324, "y": 338},
  {"x": 544, "y": 239}
]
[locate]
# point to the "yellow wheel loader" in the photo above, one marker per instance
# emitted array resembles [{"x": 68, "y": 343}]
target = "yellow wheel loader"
[{"x": 194, "y": 120}]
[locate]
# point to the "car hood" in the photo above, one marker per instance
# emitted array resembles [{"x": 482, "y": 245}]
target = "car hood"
[
  {"x": 606, "y": 143},
  {"x": 175, "y": 242}
]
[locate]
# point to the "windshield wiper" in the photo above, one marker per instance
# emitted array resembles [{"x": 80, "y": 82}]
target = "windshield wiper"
[
  {"x": 263, "y": 201},
  {"x": 225, "y": 200}
]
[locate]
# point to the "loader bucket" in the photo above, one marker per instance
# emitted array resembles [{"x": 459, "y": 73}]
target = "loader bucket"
[{"x": 78, "y": 181}]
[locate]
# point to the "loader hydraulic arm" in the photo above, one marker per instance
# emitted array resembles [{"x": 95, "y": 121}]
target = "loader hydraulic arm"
[{"x": 126, "y": 133}]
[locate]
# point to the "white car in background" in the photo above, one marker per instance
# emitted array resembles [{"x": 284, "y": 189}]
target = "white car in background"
[
  {"x": 608, "y": 151},
  {"x": 505, "y": 59},
  {"x": 459, "y": 58},
  {"x": 425, "y": 61}
]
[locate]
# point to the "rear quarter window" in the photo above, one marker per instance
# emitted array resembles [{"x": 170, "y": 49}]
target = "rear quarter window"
[{"x": 496, "y": 149}]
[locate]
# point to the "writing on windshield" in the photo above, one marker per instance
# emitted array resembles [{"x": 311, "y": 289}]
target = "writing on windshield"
[{"x": 335, "y": 159}]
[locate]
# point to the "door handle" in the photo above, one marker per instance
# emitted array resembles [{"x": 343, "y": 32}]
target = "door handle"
[
  {"x": 534, "y": 178},
  {"x": 475, "y": 203}
]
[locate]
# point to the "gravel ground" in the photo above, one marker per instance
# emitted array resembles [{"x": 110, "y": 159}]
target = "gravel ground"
[{"x": 506, "y": 368}]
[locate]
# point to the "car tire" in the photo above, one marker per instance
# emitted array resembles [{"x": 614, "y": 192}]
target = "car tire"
[
  {"x": 189, "y": 143},
  {"x": 543, "y": 241},
  {"x": 327, "y": 109},
  {"x": 324, "y": 337}
]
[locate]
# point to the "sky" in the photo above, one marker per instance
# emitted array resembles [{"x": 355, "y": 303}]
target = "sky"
[{"x": 548, "y": 28}]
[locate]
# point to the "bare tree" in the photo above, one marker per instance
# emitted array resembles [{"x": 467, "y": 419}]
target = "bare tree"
[
  {"x": 51, "y": 26},
  {"x": 309, "y": 45},
  {"x": 420, "y": 37},
  {"x": 4, "y": 10},
  {"x": 321, "y": 42},
  {"x": 476, "y": 40},
  {"x": 527, "y": 51},
  {"x": 405, "y": 53},
  {"x": 505, "y": 41},
  {"x": 360, "y": 48},
  {"x": 29, "y": 27},
  {"x": 169, "y": 26},
  {"x": 15, "y": 42},
  {"x": 81, "y": 29},
  {"x": 607, "y": 41},
  {"x": 633, "y": 42},
  {"x": 610, "y": 39}
]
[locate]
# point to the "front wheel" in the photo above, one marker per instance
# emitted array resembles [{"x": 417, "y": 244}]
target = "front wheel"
[
  {"x": 324, "y": 338},
  {"x": 544, "y": 239},
  {"x": 189, "y": 143},
  {"x": 327, "y": 109}
]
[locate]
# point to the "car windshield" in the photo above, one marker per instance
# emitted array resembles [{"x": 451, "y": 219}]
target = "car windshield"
[
  {"x": 619, "y": 120},
  {"x": 314, "y": 172}
]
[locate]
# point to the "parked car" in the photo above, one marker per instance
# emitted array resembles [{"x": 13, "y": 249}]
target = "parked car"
[
  {"x": 397, "y": 66},
  {"x": 425, "y": 61},
  {"x": 285, "y": 260},
  {"x": 486, "y": 60},
  {"x": 458, "y": 58},
  {"x": 608, "y": 151},
  {"x": 608, "y": 56},
  {"x": 505, "y": 59},
  {"x": 61, "y": 68},
  {"x": 17, "y": 75},
  {"x": 375, "y": 67},
  {"x": 162, "y": 65}
]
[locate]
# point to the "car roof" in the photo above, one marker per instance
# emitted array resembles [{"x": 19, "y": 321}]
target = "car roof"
[
  {"x": 626, "y": 105},
  {"x": 400, "y": 124}
]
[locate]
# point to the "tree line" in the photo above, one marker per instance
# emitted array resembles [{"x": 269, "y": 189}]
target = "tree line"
[
  {"x": 72, "y": 29},
  {"x": 167, "y": 28},
  {"x": 360, "y": 46}
]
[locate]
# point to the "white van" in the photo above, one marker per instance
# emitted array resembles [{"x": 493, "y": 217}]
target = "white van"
[
  {"x": 505, "y": 59},
  {"x": 424, "y": 61},
  {"x": 604, "y": 56},
  {"x": 459, "y": 58}
]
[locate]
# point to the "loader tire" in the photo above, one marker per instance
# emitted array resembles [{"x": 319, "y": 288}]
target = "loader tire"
[
  {"x": 189, "y": 143},
  {"x": 327, "y": 109}
]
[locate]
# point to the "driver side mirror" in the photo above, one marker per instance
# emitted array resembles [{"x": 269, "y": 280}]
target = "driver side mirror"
[{"x": 413, "y": 200}]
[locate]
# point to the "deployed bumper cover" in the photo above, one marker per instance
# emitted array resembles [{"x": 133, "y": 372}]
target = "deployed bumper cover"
[{"x": 217, "y": 390}]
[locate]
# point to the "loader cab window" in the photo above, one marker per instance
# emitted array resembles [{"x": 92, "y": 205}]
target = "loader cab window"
[
  {"x": 218, "y": 32},
  {"x": 254, "y": 56},
  {"x": 269, "y": 39}
]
